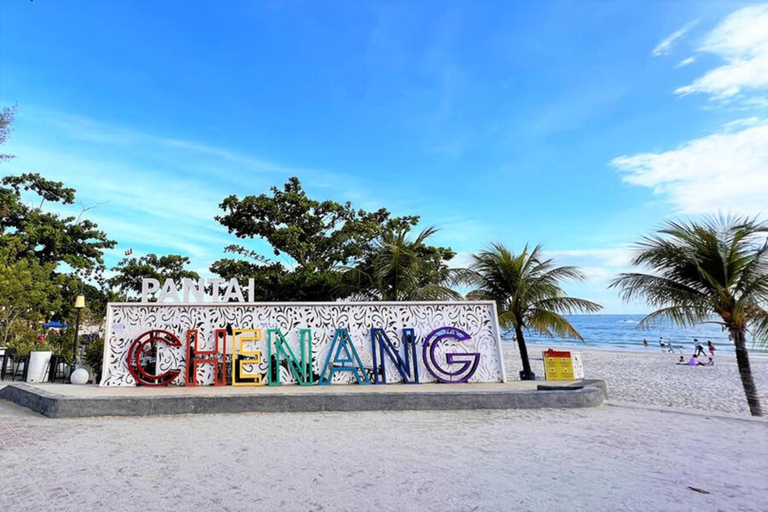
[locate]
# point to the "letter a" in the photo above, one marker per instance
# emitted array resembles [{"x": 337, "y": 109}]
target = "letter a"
[{"x": 333, "y": 363}]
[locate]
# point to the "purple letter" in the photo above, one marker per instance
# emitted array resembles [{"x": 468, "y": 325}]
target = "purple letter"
[{"x": 467, "y": 361}]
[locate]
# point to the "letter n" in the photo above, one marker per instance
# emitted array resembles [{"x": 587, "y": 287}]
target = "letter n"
[
  {"x": 301, "y": 369},
  {"x": 349, "y": 363},
  {"x": 381, "y": 345}
]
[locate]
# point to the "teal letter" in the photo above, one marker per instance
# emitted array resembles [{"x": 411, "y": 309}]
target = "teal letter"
[
  {"x": 301, "y": 370},
  {"x": 333, "y": 363}
]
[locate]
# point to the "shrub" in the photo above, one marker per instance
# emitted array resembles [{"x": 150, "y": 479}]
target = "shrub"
[{"x": 93, "y": 356}]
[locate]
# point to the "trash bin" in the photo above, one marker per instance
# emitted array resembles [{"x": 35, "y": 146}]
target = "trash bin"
[{"x": 38, "y": 366}]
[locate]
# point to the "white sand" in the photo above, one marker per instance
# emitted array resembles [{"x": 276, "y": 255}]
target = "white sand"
[
  {"x": 604, "y": 459},
  {"x": 651, "y": 377},
  {"x": 614, "y": 457}
]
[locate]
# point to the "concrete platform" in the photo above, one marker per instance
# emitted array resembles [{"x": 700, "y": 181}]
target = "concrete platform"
[{"x": 70, "y": 401}]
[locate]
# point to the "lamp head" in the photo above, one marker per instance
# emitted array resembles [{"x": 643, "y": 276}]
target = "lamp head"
[{"x": 80, "y": 302}]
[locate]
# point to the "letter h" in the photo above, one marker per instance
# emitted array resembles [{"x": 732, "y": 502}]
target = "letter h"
[{"x": 217, "y": 357}]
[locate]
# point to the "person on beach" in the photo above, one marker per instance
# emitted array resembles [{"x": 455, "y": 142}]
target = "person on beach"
[
  {"x": 681, "y": 361},
  {"x": 711, "y": 362},
  {"x": 711, "y": 348},
  {"x": 694, "y": 361},
  {"x": 645, "y": 342},
  {"x": 668, "y": 346},
  {"x": 697, "y": 348}
]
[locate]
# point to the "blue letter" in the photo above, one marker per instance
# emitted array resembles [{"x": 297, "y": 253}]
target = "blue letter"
[{"x": 381, "y": 345}]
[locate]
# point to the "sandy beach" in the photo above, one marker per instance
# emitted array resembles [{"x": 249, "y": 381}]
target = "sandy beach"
[
  {"x": 651, "y": 377},
  {"x": 661, "y": 442},
  {"x": 610, "y": 458}
]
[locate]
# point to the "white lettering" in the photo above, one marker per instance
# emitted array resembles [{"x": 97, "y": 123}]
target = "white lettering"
[
  {"x": 148, "y": 286},
  {"x": 169, "y": 290},
  {"x": 233, "y": 291},
  {"x": 189, "y": 286},
  {"x": 215, "y": 283}
]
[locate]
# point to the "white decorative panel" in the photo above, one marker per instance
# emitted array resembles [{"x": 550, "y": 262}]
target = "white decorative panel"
[{"x": 126, "y": 321}]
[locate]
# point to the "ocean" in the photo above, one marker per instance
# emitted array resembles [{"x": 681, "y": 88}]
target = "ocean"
[{"x": 621, "y": 332}]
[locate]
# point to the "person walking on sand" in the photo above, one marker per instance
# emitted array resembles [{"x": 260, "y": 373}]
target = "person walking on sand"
[
  {"x": 697, "y": 348},
  {"x": 711, "y": 348}
]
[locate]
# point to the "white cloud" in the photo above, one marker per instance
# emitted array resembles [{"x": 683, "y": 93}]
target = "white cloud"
[
  {"x": 606, "y": 259},
  {"x": 725, "y": 171},
  {"x": 665, "y": 45},
  {"x": 741, "y": 40},
  {"x": 686, "y": 62}
]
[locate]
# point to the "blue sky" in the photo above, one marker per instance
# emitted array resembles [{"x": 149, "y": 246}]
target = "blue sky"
[{"x": 578, "y": 125}]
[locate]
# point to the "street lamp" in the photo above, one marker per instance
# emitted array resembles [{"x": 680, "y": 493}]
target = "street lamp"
[{"x": 79, "y": 305}]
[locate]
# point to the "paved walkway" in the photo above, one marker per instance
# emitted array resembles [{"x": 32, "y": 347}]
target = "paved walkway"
[{"x": 608, "y": 458}]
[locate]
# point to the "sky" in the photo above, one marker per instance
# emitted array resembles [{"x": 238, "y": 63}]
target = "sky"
[{"x": 578, "y": 125}]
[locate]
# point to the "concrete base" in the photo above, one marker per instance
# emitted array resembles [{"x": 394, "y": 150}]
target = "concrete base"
[{"x": 68, "y": 401}]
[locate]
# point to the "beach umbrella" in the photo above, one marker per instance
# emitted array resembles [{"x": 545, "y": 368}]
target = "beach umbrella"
[{"x": 55, "y": 325}]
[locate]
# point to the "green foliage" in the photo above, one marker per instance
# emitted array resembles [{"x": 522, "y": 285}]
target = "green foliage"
[
  {"x": 62, "y": 342},
  {"x": 94, "y": 356},
  {"x": 131, "y": 271},
  {"x": 698, "y": 269},
  {"x": 317, "y": 235},
  {"x": 396, "y": 267},
  {"x": 47, "y": 236},
  {"x": 527, "y": 290},
  {"x": 27, "y": 291},
  {"x": 25, "y": 345},
  {"x": 273, "y": 282}
]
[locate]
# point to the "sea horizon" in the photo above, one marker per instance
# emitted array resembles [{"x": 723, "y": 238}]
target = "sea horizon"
[{"x": 621, "y": 332}]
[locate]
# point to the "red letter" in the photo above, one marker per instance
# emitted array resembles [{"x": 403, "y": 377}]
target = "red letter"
[
  {"x": 218, "y": 359},
  {"x": 143, "y": 378}
]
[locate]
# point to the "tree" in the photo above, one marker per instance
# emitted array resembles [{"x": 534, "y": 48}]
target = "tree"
[
  {"x": 26, "y": 293},
  {"x": 717, "y": 268},
  {"x": 273, "y": 282},
  {"x": 69, "y": 248},
  {"x": 397, "y": 267},
  {"x": 6, "y": 120},
  {"x": 131, "y": 271},
  {"x": 527, "y": 290},
  {"x": 317, "y": 235},
  {"x": 47, "y": 236}
]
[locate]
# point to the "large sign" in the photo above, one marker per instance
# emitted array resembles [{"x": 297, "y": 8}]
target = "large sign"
[{"x": 252, "y": 344}]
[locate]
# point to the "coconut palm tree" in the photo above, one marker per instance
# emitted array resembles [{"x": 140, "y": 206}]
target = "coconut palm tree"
[
  {"x": 400, "y": 268},
  {"x": 528, "y": 294},
  {"x": 700, "y": 271}
]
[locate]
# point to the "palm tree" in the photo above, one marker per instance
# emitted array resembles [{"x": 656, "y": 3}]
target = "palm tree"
[
  {"x": 716, "y": 267},
  {"x": 399, "y": 268},
  {"x": 528, "y": 293}
]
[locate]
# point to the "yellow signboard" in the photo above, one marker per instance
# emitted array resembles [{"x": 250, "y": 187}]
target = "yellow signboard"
[{"x": 562, "y": 365}]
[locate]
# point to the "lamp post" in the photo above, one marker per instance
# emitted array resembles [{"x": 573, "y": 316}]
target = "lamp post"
[{"x": 79, "y": 305}]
